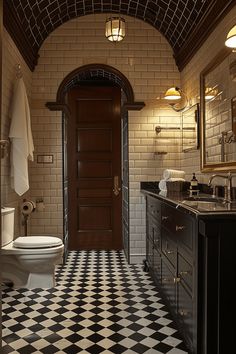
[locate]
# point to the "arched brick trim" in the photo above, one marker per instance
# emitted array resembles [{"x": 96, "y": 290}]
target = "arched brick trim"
[{"x": 95, "y": 71}]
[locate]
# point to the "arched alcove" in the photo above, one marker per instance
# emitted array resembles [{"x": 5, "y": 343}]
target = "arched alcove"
[
  {"x": 91, "y": 72},
  {"x": 99, "y": 74}
]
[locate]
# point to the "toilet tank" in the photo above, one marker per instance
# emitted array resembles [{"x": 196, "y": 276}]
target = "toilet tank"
[{"x": 7, "y": 215}]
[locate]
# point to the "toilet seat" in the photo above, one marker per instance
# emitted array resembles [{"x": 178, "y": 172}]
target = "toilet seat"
[{"x": 37, "y": 242}]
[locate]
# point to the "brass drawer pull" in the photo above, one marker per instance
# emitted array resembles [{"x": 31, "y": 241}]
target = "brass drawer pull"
[
  {"x": 167, "y": 280},
  {"x": 169, "y": 252},
  {"x": 164, "y": 218},
  {"x": 183, "y": 313},
  {"x": 187, "y": 272},
  {"x": 176, "y": 280},
  {"x": 179, "y": 227}
]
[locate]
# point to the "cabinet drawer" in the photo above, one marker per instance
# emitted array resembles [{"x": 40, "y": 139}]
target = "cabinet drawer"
[
  {"x": 169, "y": 248},
  {"x": 185, "y": 313},
  {"x": 185, "y": 273},
  {"x": 178, "y": 224},
  {"x": 154, "y": 208},
  {"x": 184, "y": 230}
]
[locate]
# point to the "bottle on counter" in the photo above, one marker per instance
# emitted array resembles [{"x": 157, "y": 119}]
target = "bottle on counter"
[{"x": 194, "y": 185}]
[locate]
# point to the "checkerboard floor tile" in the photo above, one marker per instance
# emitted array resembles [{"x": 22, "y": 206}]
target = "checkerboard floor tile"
[{"x": 99, "y": 305}]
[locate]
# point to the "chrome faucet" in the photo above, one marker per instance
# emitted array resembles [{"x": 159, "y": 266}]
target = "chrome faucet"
[{"x": 227, "y": 186}]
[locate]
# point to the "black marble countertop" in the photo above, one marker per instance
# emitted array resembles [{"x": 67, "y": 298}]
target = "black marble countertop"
[{"x": 214, "y": 207}]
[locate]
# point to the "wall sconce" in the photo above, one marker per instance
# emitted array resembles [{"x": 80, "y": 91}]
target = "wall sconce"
[
  {"x": 176, "y": 94},
  {"x": 231, "y": 38},
  {"x": 115, "y": 29},
  {"x": 210, "y": 93}
]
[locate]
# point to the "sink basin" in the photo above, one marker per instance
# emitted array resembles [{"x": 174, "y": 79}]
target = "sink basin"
[
  {"x": 205, "y": 199},
  {"x": 206, "y": 203}
]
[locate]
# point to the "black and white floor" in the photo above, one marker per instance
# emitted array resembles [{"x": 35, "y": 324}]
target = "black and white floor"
[{"x": 100, "y": 305}]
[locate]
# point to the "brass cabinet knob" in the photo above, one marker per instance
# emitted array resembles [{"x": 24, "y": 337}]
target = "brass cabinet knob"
[{"x": 179, "y": 227}]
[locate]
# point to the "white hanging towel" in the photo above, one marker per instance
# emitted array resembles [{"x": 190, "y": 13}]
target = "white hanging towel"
[{"x": 21, "y": 137}]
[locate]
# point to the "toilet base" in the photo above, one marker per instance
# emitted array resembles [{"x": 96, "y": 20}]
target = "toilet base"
[
  {"x": 40, "y": 280},
  {"x": 12, "y": 271}
]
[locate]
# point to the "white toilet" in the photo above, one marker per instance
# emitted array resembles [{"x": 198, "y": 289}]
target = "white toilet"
[{"x": 28, "y": 261}]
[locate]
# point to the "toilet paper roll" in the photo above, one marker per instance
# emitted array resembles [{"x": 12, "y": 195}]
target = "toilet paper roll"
[{"x": 28, "y": 207}]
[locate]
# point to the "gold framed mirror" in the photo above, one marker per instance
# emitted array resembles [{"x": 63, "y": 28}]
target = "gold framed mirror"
[{"x": 218, "y": 113}]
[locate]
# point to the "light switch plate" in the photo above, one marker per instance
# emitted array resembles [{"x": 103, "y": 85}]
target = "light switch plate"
[{"x": 44, "y": 158}]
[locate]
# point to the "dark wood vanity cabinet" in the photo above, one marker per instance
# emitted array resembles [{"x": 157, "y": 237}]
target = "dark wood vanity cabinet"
[
  {"x": 192, "y": 260},
  {"x": 170, "y": 260}
]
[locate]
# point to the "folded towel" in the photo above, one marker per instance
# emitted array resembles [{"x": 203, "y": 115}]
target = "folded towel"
[
  {"x": 167, "y": 174},
  {"x": 21, "y": 137},
  {"x": 163, "y": 185}
]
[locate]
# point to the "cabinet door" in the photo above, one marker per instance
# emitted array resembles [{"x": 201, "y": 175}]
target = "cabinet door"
[
  {"x": 154, "y": 208},
  {"x": 185, "y": 312},
  {"x": 157, "y": 268},
  {"x": 149, "y": 253},
  {"x": 157, "y": 236},
  {"x": 168, "y": 281},
  {"x": 169, "y": 248}
]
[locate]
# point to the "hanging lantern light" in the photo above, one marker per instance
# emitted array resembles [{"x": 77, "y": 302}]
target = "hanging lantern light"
[{"x": 115, "y": 29}]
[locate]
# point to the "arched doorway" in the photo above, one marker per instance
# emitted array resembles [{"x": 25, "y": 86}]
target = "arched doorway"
[{"x": 98, "y": 75}]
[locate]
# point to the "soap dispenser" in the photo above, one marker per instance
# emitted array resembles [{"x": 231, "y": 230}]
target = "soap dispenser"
[{"x": 194, "y": 186}]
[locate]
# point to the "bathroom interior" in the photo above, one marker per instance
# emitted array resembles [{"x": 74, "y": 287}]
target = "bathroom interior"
[{"x": 97, "y": 289}]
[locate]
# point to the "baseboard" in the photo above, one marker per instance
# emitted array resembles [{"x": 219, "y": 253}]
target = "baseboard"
[{"x": 137, "y": 258}]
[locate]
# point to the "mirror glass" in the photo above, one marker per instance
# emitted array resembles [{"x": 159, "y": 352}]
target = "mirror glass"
[
  {"x": 190, "y": 126},
  {"x": 218, "y": 113}
]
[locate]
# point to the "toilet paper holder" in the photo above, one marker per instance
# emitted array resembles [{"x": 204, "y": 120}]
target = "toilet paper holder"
[{"x": 27, "y": 207}]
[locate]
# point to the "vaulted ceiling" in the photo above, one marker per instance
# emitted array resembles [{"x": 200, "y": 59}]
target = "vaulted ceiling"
[{"x": 184, "y": 23}]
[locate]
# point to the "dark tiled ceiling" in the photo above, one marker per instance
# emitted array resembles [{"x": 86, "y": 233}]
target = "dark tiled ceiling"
[{"x": 184, "y": 23}]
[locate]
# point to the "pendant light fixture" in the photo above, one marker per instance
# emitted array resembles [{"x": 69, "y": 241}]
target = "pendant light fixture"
[{"x": 115, "y": 29}]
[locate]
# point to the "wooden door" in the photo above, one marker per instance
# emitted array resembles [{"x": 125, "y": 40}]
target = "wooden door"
[{"x": 94, "y": 168}]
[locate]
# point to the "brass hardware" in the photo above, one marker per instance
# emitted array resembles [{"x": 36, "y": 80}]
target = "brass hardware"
[
  {"x": 179, "y": 227},
  {"x": 116, "y": 188},
  {"x": 185, "y": 273},
  {"x": 163, "y": 218},
  {"x": 183, "y": 313},
  {"x": 168, "y": 252},
  {"x": 176, "y": 280},
  {"x": 167, "y": 280}
]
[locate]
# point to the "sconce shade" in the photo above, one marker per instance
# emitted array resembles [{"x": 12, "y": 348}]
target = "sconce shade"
[
  {"x": 172, "y": 93},
  {"x": 231, "y": 38},
  {"x": 176, "y": 94},
  {"x": 210, "y": 93},
  {"x": 115, "y": 29}
]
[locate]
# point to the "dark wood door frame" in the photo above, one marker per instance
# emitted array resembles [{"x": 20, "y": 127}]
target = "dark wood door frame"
[{"x": 73, "y": 79}]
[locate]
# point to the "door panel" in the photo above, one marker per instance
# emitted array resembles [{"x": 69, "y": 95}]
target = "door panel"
[
  {"x": 95, "y": 140},
  {"x": 94, "y": 160},
  {"x": 95, "y": 169},
  {"x": 95, "y": 217}
]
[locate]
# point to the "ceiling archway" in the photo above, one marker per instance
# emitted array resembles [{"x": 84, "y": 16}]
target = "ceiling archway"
[
  {"x": 92, "y": 72},
  {"x": 184, "y": 23}
]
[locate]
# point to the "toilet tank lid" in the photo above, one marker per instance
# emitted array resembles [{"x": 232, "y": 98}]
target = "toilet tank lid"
[{"x": 36, "y": 242}]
